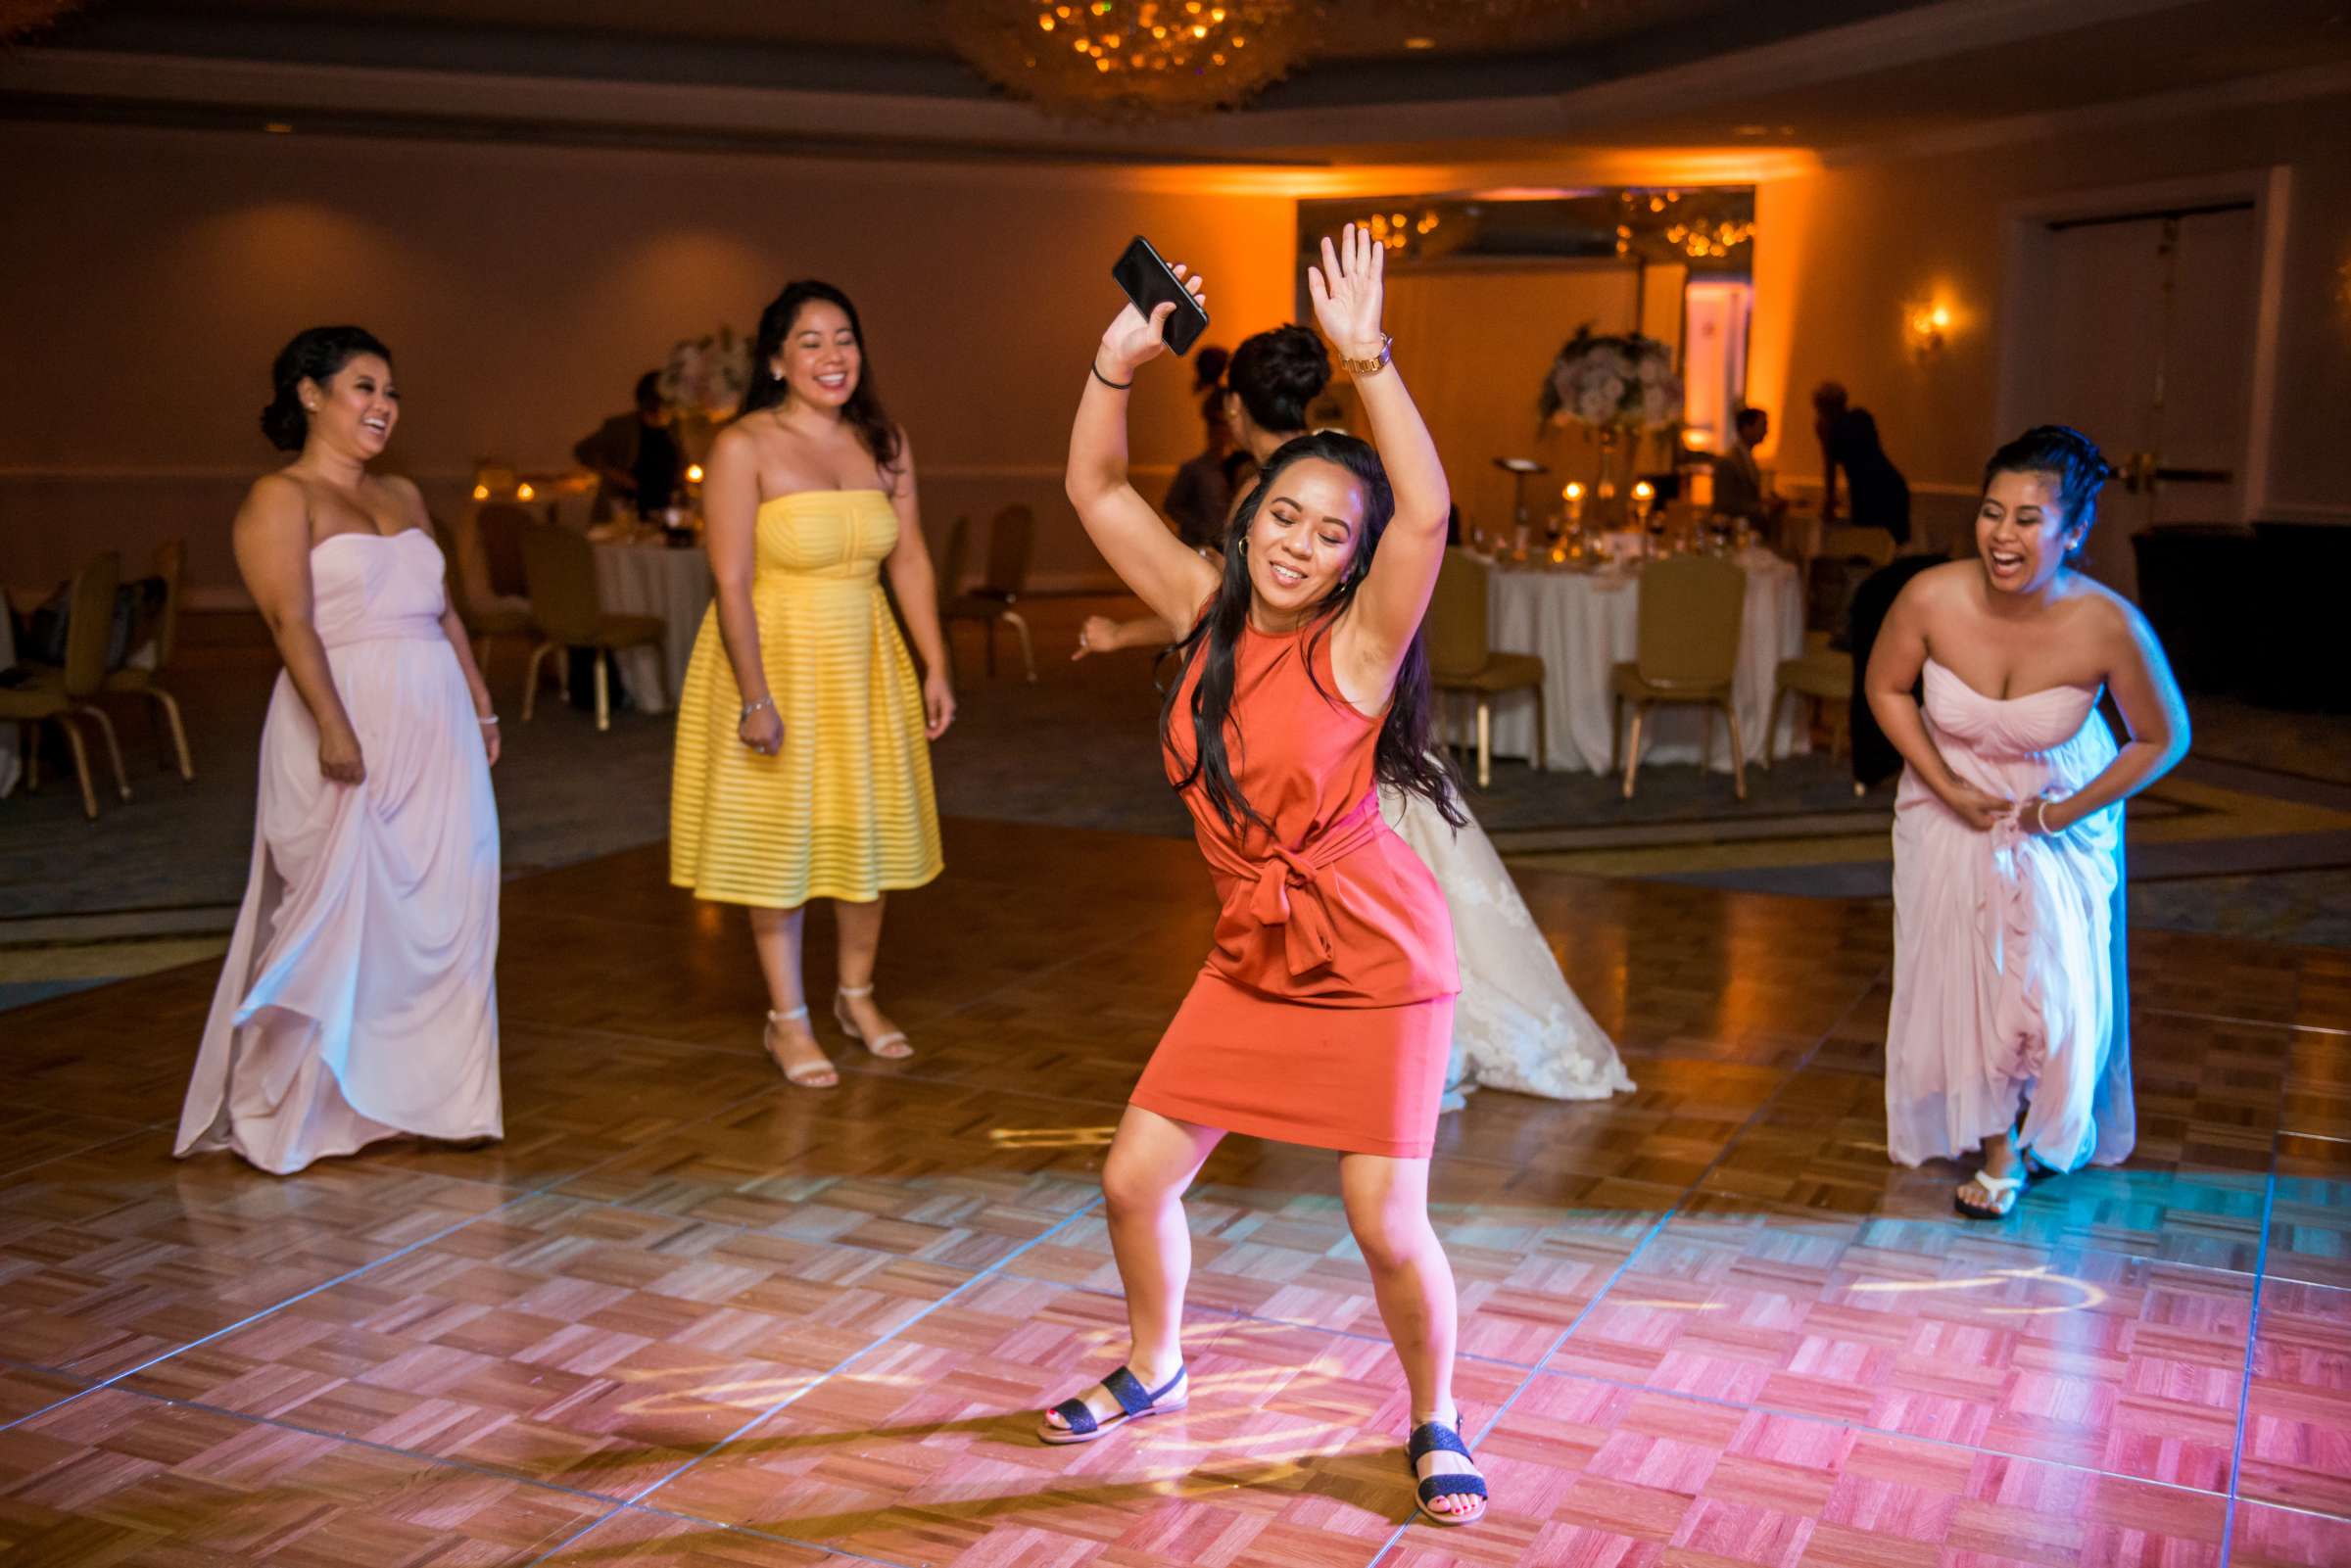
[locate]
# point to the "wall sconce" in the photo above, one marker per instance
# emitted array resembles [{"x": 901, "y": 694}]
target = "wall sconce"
[{"x": 1925, "y": 328}]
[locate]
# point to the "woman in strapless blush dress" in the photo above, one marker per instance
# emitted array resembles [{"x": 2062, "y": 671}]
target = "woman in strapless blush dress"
[
  {"x": 358, "y": 1001},
  {"x": 2010, "y": 1024}
]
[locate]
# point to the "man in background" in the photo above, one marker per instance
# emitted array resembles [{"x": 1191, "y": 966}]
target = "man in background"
[
  {"x": 1738, "y": 480},
  {"x": 633, "y": 457},
  {"x": 1848, "y": 442}
]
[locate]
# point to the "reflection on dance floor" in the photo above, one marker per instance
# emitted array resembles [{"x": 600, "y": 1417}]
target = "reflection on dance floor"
[{"x": 684, "y": 1314}]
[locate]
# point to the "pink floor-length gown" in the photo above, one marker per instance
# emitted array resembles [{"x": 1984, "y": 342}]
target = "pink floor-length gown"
[
  {"x": 358, "y": 1001},
  {"x": 2008, "y": 946}
]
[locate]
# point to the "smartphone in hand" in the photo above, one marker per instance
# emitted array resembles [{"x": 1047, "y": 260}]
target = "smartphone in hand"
[{"x": 1150, "y": 283}]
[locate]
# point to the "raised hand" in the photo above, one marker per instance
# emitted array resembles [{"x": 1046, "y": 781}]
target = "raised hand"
[
  {"x": 1348, "y": 291},
  {"x": 1133, "y": 340}
]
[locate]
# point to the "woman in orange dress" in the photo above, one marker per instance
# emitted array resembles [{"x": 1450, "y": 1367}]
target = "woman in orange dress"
[{"x": 1324, "y": 1013}]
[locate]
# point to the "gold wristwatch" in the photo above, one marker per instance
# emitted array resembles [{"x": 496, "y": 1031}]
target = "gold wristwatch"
[{"x": 1377, "y": 363}]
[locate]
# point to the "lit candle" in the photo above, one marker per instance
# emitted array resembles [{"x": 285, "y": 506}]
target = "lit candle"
[
  {"x": 1573, "y": 496},
  {"x": 481, "y": 493},
  {"x": 524, "y": 492},
  {"x": 694, "y": 473},
  {"x": 1644, "y": 493}
]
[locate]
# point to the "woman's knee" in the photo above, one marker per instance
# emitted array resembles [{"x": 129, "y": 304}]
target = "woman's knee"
[
  {"x": 1135, "y": 1184},
  {"x": 1392, "y": 1237}
]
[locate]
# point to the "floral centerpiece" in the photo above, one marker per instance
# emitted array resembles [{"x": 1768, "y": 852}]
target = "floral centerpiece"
[
  {"x": 706, "y": 375},
  {"x": 1618, "y": 382},
  {"x": 1620, "y": 386}
]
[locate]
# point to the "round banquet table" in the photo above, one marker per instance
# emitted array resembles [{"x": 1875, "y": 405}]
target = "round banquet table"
[
  {"x": 653, "y": 579},
  {"x": 1585, "y": 623}
]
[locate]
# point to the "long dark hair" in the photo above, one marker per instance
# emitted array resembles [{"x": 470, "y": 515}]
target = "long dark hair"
[
  {"x": 1401, "y": 759},
  {"x": 318, "y": 355},
  {"x": 767, "y": 389}
]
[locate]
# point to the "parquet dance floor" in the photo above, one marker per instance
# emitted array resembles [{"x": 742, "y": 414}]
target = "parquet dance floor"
[{"x": 686, "y": 1314}]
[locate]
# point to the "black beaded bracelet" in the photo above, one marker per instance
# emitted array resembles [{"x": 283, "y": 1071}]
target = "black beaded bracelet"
[{"x": 1106, "y": 381}]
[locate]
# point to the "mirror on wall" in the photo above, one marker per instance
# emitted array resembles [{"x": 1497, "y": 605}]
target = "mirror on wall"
[{"x": 1486, "y": 289}]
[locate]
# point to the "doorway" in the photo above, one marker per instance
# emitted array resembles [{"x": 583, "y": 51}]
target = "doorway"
[{"x": 2142, "y": 324}]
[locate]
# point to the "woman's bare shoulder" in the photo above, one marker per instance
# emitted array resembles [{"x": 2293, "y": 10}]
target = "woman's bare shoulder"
[
  {"x": 1949, "y": 586},
  {"x": 276, "y": 498},
  {"x": 2104, "y": 614}
]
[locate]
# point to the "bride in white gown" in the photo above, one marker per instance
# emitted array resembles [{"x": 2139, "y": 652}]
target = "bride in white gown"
[{"x": 1516, "y": 1024}]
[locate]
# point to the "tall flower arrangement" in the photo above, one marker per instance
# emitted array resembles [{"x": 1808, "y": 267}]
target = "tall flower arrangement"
[
  {"x": 706, "y": 375},
  {"x": 1614, "y": 383}
]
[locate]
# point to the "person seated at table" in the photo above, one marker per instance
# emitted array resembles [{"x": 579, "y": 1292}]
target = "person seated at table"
[
  {"x": 1849, "y": 443},
  {"x": 2009, "y": 1029},
  {"x": 1739, "y": 490},
  {"x": 634, "y": 457}
]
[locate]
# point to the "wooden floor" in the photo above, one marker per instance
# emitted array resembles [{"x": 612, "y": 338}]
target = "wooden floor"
[{"x": 686, "y": 1315}]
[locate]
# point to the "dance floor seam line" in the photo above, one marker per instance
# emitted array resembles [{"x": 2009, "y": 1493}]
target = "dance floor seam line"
[
  {"x": 272, "y": 1308},
  {"x": 1656, "y": 1228},
  {"x": 547, "y": 1189},
  {"x": 2244, "y": 1389},
  {"x": 76, "y": 1153},
  {"x": 2259, "y": 1024},
  {"x": 821, "y": 1379}
]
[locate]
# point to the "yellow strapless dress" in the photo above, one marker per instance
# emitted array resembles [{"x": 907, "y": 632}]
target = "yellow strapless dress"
[{"x": 845, "y": 809}]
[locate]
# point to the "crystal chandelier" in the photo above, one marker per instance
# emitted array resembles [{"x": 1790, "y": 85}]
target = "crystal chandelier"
[
  {"x": 1130, "y": 58},
  {"x": 18, "y": 17}
]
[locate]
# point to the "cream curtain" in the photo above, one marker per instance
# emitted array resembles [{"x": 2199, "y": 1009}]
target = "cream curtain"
[{"x": 1475, "y": 344}]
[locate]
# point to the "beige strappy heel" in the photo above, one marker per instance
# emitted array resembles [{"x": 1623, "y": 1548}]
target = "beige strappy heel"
[
  {"x": 849, "y": 1027},
  {"x": 817, "y": 1075}
]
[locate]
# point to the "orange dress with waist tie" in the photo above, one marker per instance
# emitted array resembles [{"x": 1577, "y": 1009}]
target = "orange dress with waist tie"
[{"x": 1323, "y": 1014}]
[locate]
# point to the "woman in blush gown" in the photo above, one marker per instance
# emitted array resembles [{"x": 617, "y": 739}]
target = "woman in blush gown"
[
  {"x": 358, "y": 1001},
  {"x": 2010, "y": 1023}
]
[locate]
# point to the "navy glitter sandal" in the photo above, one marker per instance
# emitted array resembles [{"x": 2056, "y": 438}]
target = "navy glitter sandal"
[
  {"x": 1134, "y": 1403},
  {"x": 1436, "y": 1436}
]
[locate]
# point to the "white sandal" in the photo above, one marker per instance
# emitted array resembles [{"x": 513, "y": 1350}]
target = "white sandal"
[
  {"x": 2003, "y": 1190},
  {"x": 817, "y": 1075},
  {"x": 849, "y": 1027}
]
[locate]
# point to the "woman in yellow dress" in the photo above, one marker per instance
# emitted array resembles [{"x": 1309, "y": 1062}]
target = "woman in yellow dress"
[{"x": 802, "y": 766}]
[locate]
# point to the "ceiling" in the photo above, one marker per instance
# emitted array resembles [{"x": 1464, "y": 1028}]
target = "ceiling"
[{"x": 872, "y": 79}]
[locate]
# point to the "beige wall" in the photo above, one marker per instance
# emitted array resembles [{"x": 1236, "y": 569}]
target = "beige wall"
[
  {"x": 150, "y": 275},
  {"x": 1840, "y": 253}
]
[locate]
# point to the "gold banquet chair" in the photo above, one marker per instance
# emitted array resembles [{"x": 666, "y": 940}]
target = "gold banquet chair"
[
  {"x": 60, "y": 693},
  {"x": 1460, "y": 658},
  {"x": 1692, "y": 610},
  {"x": 560, "y": 567},
  {"x": 992, "y": 597},
  {"x": 483, "y": 621},
  {"x": 171, "y": 564}
]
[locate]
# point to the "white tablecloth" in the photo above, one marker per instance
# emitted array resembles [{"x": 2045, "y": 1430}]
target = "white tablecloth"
[
  {"x": 655, "y": 580},
  {"x": 1583, "y": 624}
]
